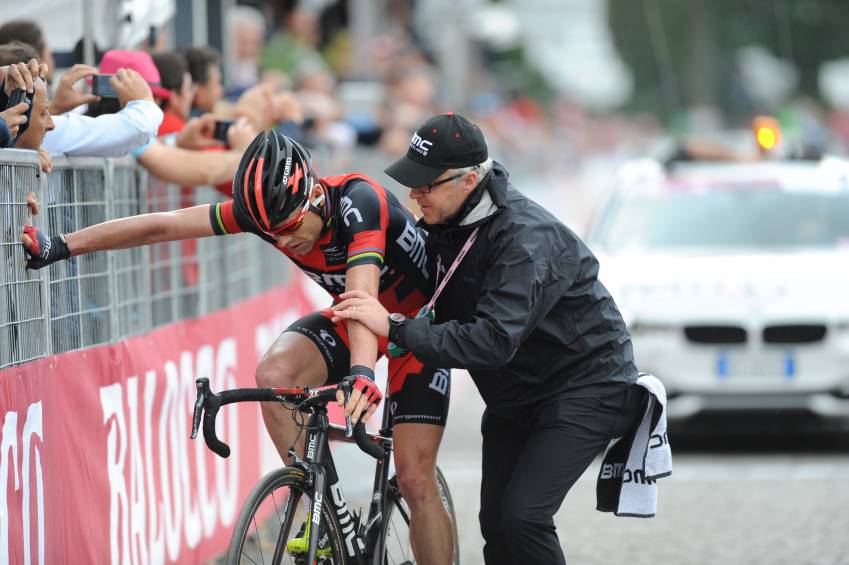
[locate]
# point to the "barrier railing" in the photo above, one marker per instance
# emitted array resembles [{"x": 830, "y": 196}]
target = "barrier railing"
[{"x": 105, "y": 297}]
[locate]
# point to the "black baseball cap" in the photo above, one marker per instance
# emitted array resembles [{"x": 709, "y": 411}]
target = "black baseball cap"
[{"x": 446, "y": 141}]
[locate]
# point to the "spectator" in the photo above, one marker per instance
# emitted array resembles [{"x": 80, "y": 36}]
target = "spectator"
[
  {"x": 114, "y": 126},
  {"x": 13, "y": 118},
  {"x": 28, "y": 76},
  {"x": 246, "y": 28},
  {"x": 196, "y": 168},
  {"x": 175, "y": 78},
  {"x": 40, "y": 123},
  {"x": 29, "y": 32},
  {"x": 204, "y": 65}
]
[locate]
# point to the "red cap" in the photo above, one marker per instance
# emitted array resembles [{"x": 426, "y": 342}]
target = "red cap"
[{"x": 140, "y": 62}]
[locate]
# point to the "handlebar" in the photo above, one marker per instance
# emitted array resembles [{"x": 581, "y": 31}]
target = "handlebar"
[{"x": 208, "y": 403}]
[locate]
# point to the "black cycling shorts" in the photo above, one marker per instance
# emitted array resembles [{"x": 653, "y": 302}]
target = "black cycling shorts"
[{"x": 418, "y": 394}]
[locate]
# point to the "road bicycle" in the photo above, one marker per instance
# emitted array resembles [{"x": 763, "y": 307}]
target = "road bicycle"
[{"x": 298, "y": 514}]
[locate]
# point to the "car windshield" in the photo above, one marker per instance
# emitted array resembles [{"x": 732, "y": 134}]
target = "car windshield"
[{"x": 728, "y": 219}]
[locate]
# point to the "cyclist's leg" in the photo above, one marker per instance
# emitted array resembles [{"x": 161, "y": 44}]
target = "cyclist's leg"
[
  {"x": 310, "y": 352},
  {"x": 418, "y": 400}
]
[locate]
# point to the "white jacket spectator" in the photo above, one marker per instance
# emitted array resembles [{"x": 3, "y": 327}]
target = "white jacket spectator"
[{"x": 107, "y": 135}]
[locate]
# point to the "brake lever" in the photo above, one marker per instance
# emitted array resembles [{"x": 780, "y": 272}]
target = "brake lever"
[
  {"x": 203, "y": 390},
  {"x": 346, "y": 393}
]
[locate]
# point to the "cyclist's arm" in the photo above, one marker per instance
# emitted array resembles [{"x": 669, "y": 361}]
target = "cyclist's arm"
[
  {"x": 145, "y": 229},
  {"x": 364, "y": 228},
  {"x": 363, "y": 342}
]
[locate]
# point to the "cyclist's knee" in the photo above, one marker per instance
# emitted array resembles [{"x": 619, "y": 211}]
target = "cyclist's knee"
[
  {"x": 416, "y": 481},
  {"x": 271, "y": 372}
]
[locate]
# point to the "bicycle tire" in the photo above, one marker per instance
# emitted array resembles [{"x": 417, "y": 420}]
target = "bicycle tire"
[
  {"x": 395, "y": 542},
  {"x": 250, "y": 536}
]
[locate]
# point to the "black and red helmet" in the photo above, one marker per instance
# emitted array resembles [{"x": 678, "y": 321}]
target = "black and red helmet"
[{"x": 273, "y": 180}]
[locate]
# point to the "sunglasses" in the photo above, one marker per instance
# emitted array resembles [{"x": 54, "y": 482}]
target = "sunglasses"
[
  {"x": 430, "y": 186},
  {"x": 292, "y": 225}
]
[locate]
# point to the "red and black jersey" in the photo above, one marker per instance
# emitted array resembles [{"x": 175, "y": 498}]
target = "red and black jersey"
[{"x": 366, "y": 225}]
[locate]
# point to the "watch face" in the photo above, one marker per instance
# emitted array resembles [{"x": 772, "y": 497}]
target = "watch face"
[{"x": 397, "y": 317}]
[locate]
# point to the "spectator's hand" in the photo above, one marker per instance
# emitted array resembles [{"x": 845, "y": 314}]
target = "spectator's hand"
[
  {"x": 32, "y": 204},
  {"x": 130, "y": 86},
  {"x": 287, "y": 108},
  {"x": 66, "y": 96},
  {"x": 15, "y": 117},
  {"x": 240, "y": 135},
  {"x": 366, "y": 309},
  {"x": 197, "y": 134},
  {"x": 46, "y": 160},
  {"x": 20, "y": 76},
  {"x": 256, "y": 105}
]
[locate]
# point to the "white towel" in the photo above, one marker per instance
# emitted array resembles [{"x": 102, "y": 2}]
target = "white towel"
[{"x": 632, "y": 464}]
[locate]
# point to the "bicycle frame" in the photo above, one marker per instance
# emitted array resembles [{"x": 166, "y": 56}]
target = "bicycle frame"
[{"x": 319, "y": 466}]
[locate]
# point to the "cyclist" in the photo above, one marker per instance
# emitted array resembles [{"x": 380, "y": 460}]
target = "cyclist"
[
  {"x": 347, "y": 233},
  {"x": 522, "y": 309}
]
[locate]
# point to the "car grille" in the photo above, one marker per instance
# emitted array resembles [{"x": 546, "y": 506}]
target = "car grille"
[
  {"x": 795, "y": 333},
  {"x": 715, "y": 334}
]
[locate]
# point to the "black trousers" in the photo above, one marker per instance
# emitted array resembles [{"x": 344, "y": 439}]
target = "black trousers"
[{"x": 530, "y": 464}]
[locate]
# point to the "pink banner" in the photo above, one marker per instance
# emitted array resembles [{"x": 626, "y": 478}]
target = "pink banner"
[{"x": 96, "y": 462}]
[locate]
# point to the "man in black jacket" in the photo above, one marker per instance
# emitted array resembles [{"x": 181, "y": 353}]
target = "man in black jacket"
[{"x": 523, "y": 310}]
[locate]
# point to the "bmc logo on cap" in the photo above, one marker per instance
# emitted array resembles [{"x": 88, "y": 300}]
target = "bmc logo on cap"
[{"x": 420, "y": 145}]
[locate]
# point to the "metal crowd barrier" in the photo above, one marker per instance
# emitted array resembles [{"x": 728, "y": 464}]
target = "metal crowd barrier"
[{"x": 105, "y": 297}]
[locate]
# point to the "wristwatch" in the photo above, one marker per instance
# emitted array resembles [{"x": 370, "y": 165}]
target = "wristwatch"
[{"x": 396, "y": 325}]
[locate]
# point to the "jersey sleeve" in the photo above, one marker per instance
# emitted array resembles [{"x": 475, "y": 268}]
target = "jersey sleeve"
[
  {"x": 226, "y": 219},
  {"x": 364, "y": 220}
]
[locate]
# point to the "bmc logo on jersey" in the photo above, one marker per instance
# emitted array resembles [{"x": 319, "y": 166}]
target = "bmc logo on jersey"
[{"x": 420, "y": 145}]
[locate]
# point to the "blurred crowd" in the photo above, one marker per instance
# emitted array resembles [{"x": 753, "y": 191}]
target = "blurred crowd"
[{"x": 294, "y": 70}]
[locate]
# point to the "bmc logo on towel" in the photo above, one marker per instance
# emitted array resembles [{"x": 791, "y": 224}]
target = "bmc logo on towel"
[{"x": 420, "y": 145}]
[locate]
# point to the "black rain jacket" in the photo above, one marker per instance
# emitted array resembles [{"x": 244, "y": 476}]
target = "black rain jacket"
[{"x": 524, "y": 312}]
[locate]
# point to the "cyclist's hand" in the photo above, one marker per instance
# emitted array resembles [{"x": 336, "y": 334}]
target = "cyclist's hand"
[
  {"x": 364, "y": 400},
  {"x": 42, "y": 249}
]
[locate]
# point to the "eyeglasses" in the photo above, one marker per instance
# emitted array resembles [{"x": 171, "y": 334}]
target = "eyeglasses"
[
  {"x": 295, "y": 223},
  {"x": 428, "y": 187}
]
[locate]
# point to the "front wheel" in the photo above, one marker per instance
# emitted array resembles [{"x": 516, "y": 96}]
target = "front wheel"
[
  {"x": 397, "y": 549},
  {"x": 273, "y": 525}
]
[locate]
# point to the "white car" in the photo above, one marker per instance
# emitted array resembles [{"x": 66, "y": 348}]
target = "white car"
[{"x": 734, "y": 282}]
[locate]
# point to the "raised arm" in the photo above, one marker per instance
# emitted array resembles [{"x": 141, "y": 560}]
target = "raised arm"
[{"x": 132, "y": 231}]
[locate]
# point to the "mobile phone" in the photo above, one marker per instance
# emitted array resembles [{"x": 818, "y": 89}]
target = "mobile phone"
[
  {"x": 100, "y": 86},
  {"x": 220, "y": 131},
  {"x": 16, "y": 97}
]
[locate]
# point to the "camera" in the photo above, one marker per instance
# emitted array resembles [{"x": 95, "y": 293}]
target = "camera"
[
  {"x": 16, "y": 97},
  {"x": 220, "y": 131},
  {"x": 100, "y": 87}
]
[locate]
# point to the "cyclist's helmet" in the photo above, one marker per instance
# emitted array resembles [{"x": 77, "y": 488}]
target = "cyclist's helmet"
[{"x": 273, "y": 179}]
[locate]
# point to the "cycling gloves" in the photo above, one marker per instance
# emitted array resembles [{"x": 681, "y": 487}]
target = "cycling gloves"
[
  {"x": 362, "y": 379},
  {"x": 44, "y": 249}
]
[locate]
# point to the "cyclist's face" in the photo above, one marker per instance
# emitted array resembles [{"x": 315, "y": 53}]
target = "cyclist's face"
[
  {"x": 301, "y": 238},
  {"x": 445, "y": 199}
]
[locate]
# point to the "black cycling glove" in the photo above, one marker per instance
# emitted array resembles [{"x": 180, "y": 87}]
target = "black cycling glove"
[{"x": 44, "y": 249}]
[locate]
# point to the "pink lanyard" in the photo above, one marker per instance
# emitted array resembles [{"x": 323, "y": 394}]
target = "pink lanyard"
[{"x": 463, "y": 251}]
